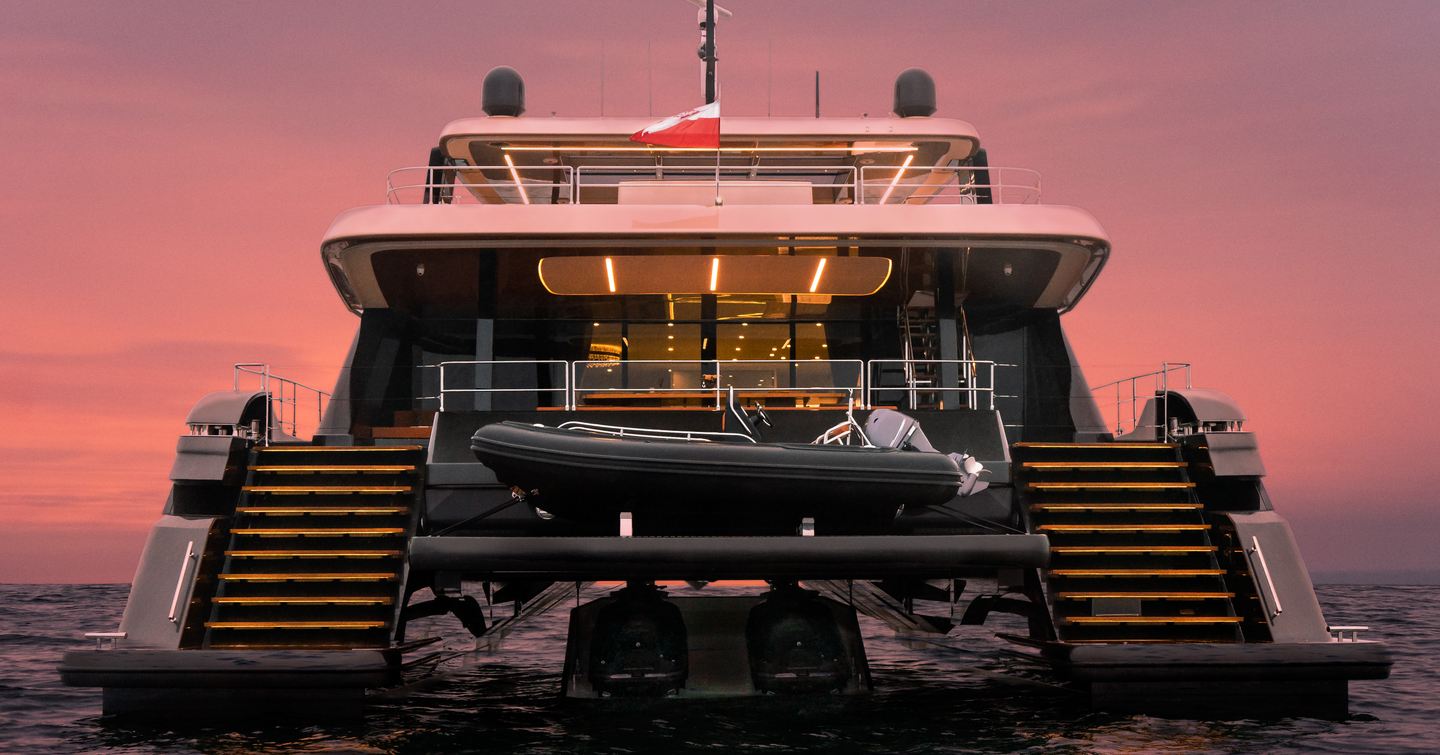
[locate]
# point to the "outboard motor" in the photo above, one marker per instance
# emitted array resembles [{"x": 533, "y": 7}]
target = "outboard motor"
[
  {"x": 794, "y": 644},
  {"x": 888, "y": 428},
  {"x": 639, "y": 646}
]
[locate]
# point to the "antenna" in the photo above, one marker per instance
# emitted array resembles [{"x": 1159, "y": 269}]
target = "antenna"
[
  {"x": 817, "y": 94},
  {"x": 706, "y": 17}
]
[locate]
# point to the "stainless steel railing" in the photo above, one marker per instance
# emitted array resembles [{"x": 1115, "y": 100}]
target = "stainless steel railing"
[
  {"x": 451, "y": 367},
  {"x": 598, "y": 184},
  {"x": 282, "y": 407},
  {"x": 975, "y": 380},
  {"x": 1127, "y": 392},
  {"x": 810, "y": 382}
]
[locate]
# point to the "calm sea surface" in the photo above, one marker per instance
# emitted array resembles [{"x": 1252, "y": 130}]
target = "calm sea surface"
[{"x": 961, "y": 696}]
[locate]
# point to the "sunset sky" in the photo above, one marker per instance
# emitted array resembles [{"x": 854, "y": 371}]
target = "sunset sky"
[{"x": 1268, "y": 174}]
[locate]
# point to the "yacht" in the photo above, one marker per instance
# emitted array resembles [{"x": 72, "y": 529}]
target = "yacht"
[{"x": 826, "y": 355}]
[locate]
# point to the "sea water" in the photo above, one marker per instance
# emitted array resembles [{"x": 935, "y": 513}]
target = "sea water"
[{"x": 960, "y": 693}]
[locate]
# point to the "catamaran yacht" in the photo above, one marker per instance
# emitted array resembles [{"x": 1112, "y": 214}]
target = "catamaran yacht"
[{"x": 826, "y": 355}]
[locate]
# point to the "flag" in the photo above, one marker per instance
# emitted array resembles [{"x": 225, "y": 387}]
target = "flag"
[{"x": 693, "y": 128}]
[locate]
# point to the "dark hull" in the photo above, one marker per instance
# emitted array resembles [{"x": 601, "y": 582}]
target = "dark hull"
[{"x": 583, "y": 475}]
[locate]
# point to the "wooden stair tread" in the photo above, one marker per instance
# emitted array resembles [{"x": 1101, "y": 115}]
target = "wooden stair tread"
[
  {"x": 319, "y": 531},
  {"x": 1135, "y": 549},
  {"x": 322, "y": 510},
  {"x": 342, "y": 449},
  {"x": 327, "y": 489},
  {"x": 1115, "y": 444},
  {"x": 336, "y": 469},
  {"x": 308, "y": 577},
  {"x": 295, "y": 624},
  {"x": 1144, "y": 595},
  {"x": 1117, "y": 506},
  {"x": 1137, "y": 572},
  {"x": 1124, "y": 527},
  {"x": 1109, "y": 485},
  {"x": 1152, "y": 620},
  {"x": 1104, "y": 464},
  {"x": 280, "y": 600},
  {"x": 314, "y": 554}
]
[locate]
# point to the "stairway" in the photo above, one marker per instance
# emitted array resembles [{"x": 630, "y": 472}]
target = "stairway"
[
  {"x": 317, "y": 548},
  {"x": 921, "y": 343},
  {"x": 1131, "y": 555}
]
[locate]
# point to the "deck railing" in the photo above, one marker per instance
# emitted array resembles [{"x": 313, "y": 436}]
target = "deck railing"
[
  {"x": 1128, "y": 393},
  {"x": 284, "y": 399},
  {"x": 705, "y": 383},
  {"x": 699, "y": 184}
]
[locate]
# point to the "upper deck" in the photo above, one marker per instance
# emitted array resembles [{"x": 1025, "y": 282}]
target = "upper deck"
[{"x": 500, "y": 183}]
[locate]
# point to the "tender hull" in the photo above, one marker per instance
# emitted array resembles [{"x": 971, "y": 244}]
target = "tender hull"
[{"x": 586, "y": 476}]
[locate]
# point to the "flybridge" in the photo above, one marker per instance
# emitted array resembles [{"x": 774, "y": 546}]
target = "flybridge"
[{"x": 908, "y": 158}]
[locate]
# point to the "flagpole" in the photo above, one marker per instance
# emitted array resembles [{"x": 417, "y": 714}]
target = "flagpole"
[{"x": 710, "y": 88}]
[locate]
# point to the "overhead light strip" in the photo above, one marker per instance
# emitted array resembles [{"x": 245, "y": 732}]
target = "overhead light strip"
[
  {"x": 819, "y": 270},
  {"x": 896, "y": 179},
  {"x": 515, "y": 176},
  {"x": 714, "y": 272},
  {"x": 610, "y": 273}
]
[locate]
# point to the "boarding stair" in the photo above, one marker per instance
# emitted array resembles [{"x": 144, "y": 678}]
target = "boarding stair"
[
  {"x": 1132, "y": 559},
  {"x": 317, "y": 552}
]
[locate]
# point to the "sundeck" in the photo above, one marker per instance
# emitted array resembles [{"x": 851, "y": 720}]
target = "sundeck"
[{"x": 645, "y": 305}]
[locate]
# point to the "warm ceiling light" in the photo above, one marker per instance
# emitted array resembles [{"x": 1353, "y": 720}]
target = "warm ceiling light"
[
  {"x": 908, "y": 159},
  {"x": 819, "y": 269},
  {"x": 714, "y": 272},
  {"x": 515, "y": 176},
  {"x": 610, "y": 274}
]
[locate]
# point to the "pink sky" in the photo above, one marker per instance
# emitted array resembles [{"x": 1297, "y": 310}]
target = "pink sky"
[{"x": 1268, "y": 176}]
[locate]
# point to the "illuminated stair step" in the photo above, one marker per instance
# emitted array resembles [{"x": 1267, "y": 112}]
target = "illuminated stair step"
[
  {"x": 1145, "y": 550},
  {"x": 320, "y": 531},
  {"x": 1145, "y": 595},
  {"x": 328, "y": 469},
  {"x": 323, "y": 510},
  {"x": 341, "y": 449},
  {"x": 314, "y": 554},
  {"x": 1152, "y": 620},
  {"x": 295, "y": 624},
  {"x": 1137, "y": 572},
  {"x": 302, "y": 577},
  {"x": 1123, "y": 527},
  {"x": 1109, "y": 485},
  {"x": 297, "y": 601},
  {"x": 1119, "y": 446},
  {"x": 1080, "y": 465},
  {"x": 1117, "y": 507},
  {"x": 327, "y": 490}
]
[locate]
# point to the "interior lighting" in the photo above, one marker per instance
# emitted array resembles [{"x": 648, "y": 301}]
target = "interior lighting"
[
  {"x": 610, "y": 274},
  {"x": 515, "y": 176},
  {"x": 908, "y": 159},
  {"x": 714, "y": 272},
  {"x": 819, "y": 269}
]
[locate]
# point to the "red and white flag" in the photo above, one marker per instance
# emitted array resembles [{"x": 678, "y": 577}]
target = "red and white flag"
[{"x": 693, "y": 128}]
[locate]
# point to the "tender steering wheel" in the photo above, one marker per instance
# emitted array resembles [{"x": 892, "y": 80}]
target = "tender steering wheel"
[{"x": 760, "y": 417}]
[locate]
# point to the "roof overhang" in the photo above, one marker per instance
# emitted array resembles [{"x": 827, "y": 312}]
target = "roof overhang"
[{"x": 358, "y": 234}]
